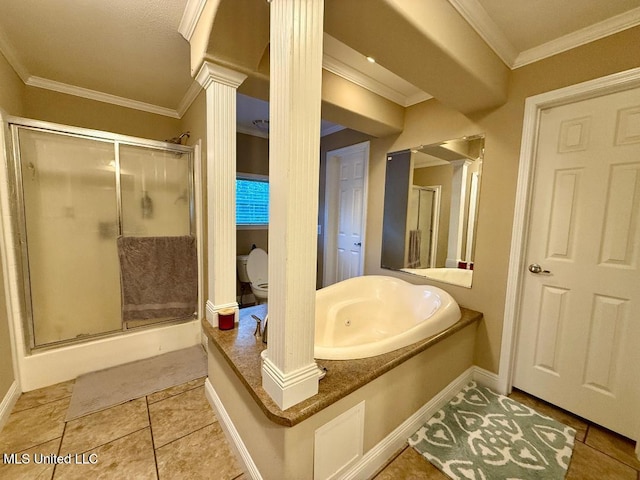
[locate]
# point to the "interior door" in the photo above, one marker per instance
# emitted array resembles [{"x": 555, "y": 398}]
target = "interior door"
[
  {"x": 350, "y": 214},
  {"x": 579, "y": 319}
]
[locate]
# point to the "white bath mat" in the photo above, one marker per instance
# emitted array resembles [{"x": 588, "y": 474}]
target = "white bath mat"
[{"x": 106, "y": 388}]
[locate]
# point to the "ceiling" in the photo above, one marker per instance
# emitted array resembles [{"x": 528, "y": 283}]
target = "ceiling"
[{"x": 131, "y": 52}]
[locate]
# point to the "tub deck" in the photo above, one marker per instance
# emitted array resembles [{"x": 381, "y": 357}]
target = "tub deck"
[{"x": 242, "y": 351}]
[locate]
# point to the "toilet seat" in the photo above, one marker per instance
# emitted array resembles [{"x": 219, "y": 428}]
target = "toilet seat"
[{"x": 258, "y": 268}]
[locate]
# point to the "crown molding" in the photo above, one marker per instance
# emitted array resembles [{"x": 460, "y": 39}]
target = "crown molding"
[
  {"x": 343, "y": 70},
  {"x": 10, "y": 54},
  {"x": 332, "y": 129},
  {"x": 190, "y": 17},
  {"x": 580, "y": 37},
  {"x": 189, "y": 98},
  {"x": 60, "y": 87},
  {"x": 211, "y": 72},
  {"x": 417, "y": 98},
  {"x": 476, "y": 16},
  {"x": 473, "y": 12},
  {"x": 251, "y": 131}
]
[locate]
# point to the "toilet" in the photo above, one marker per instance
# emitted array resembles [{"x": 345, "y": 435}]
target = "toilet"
[{"x": 255, "y": 268}]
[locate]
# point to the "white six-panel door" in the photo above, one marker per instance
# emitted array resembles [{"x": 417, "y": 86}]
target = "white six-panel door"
[
  {"x": 350, "y": 214},
  {"x": 345, "y": 212},
  {"x": 578, "y": 340}
]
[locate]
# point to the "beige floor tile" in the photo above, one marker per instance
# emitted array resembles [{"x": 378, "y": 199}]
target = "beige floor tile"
[
  {"x": 590, "y": 464},
  {"x": 552, "y": 411},
  {"x": 170, "y": 392},
  {"x": 44, "y": 395},
  {"x": 204, "y": 454},
  {"x": 614, "y": 445},
  {"x": 130, "y": 457},
  {"x": 34, "y": 426},
  {"x": 33, "y": 466},
  {"x": 91, "y": 431},
  {"x": 179, "y": 415},
  {"x": 410, "y": 465}
]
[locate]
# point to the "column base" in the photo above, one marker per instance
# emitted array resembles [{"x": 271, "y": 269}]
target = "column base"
[
  {"x": 289, "y": 389},
  {"x": 212, "y": 311}
]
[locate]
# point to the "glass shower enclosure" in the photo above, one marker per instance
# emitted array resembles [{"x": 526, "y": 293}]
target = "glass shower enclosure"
[{"x": 76, "y": 192}]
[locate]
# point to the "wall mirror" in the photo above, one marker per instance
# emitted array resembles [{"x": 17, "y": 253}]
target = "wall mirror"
[{"x": 430, "y": 205}]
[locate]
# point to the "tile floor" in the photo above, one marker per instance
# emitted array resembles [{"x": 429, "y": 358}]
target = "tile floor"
[
  {"x": 174, "y": 434},
  {"x": 598, "y": 453}
]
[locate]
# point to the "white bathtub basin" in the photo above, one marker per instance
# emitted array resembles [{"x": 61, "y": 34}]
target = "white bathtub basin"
[{"x": 371, "y": 315}]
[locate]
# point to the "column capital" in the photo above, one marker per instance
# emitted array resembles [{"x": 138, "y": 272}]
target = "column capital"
[{"x": 211, "y": 72}]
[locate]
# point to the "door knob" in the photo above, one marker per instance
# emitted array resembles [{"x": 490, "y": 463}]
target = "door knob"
[
  {"x": 535, "y": 268},
  {"x": 358, "y": 244}
]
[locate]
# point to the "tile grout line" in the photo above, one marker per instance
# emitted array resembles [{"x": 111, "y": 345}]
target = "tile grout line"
[
  {"x": 39, "y": 405},
  {"x": 64, "y": 430},
  {"x": 187, "y": 434},
  {"x": 170, "y": 396},
  {"x": 153, "y": 442},
  {"x": 110, "y": 441},
  {"x": 617, "y": 460}
]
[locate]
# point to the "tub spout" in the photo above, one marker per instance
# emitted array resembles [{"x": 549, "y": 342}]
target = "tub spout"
[
  {"x": 264, "y": 328},
  {"x": 261, "y": 332},
  {"x": 257, "y": 333}
]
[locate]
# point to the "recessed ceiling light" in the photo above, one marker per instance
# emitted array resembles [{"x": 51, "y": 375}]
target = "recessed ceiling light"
[{"x": 371, "y": 60}]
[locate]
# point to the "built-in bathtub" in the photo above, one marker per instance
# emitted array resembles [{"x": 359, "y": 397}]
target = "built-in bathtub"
[{"x": 370, "y": 315}]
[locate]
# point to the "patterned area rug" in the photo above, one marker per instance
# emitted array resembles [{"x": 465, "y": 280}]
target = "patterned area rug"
[{"x": 483, "y": 435}]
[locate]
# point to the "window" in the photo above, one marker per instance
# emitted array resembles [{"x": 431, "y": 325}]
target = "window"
[{"x": 252, "y": 201}]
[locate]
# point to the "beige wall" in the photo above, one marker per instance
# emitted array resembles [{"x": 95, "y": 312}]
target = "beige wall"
[
  {"x": 12, "y": 90},
  {"x": 430, "y": 121},
  {"x": 195, "y": 121},
  {"x": 6, "y": 359},
  {"x": 41, "y": 104},
  {"x": 11, "y": 101}
]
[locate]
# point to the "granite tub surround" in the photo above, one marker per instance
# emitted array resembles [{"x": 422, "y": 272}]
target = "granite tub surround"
[
  {"x": 276, "y": 450},
  {"x": 241, "y": 350}
]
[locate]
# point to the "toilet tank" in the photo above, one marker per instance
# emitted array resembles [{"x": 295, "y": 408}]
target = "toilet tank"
[{"x": 241, "y": 266}]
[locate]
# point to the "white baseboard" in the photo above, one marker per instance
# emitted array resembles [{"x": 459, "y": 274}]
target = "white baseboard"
[
  {"x": 378, "y": 456},
  {"x": 372, "y": 461},
  {"x": 8, "y": 403},
  {"x": 487, "y": 379},
  {"x": 230, "y": 431}
]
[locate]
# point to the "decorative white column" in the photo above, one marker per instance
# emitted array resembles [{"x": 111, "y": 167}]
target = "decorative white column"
[
  {"x": 220, "y": 84},
  {"x": 289, "y": 373}
]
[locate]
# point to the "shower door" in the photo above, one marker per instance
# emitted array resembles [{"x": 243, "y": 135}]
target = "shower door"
[
  {"x": 70, "y": 211},
  {"x": 155, "y": 191},
  {"x": 76, "y": 193}
]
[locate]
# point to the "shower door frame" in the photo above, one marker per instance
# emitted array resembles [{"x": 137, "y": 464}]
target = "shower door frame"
[{"x": 14, "y": 124}]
